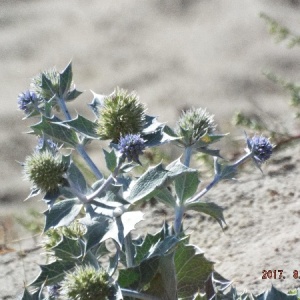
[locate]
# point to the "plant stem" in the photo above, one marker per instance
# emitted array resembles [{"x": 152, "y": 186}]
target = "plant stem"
[
  {"x": 179, "y": 211},
  {"x": 137, "y": 295},
  {"x": 63, "y": 107},
  {"x": 129, "y": 253},
  {"x": 216, "y": 179},
  {"x": 80, "y": 149},
  {"x": 187, "y": 155}
]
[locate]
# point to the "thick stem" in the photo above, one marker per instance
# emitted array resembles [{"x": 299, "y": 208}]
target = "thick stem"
[
  {"x": 187, "y": 155},
  {"x": 179, "y": 211},
  {"x": 80, "y": 149},
  {"x": 63, "y": 107},
  {"x": 137, "y": 295}
]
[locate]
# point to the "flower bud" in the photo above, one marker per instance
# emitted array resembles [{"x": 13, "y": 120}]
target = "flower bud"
[
  {"x": 121, "y": 114},
  {"x": 26, "y": 101},
  {"x": 45, "y": 170},
  {"x": 260, "y": 148},
  {"x": 87, "y": 283},
  {"x": 193, "y": 124},
  {"x": 131, "y": 146}
]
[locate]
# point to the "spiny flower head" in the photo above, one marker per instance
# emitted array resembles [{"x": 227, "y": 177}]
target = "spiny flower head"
[
  {"x": 87, "y": 283},
  {"x": 260, "y": 148},
  {"x": 121, "y": 114},
  {"x": 26, "y": 101},
  {"x": 45, "y": 170},
  {"x": 131, "y": 146},
  {"x": 193, "y": 124}
]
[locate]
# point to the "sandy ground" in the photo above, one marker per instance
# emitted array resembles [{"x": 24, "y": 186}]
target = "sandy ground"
[{"x": 175, "y": 54}]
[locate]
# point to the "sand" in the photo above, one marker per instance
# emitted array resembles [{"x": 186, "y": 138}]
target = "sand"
[{"x": 175, "y": 54}]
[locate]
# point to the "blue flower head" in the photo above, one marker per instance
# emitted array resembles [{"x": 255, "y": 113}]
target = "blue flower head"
[
  {"x": 131, "y": 146},
  {"x": 26, "y": 101},
  {"x": 260, "y": 148}
]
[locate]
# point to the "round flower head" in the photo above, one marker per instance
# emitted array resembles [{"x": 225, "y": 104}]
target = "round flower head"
[
  {"x": 260, "y": 148},
  {"x": 45, "y": 170},
  {"x": 87, "y": 283},
  {"x": 46, "y": 91},
  {"x": 26, "y": 101},
  {"x": 131, "y": 146},
  {"x": 193, "y": 124},
  {"x": 121, "y": 114}
]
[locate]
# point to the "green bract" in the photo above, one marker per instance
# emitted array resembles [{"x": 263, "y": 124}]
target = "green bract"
[{"x": 121, "y": 114}]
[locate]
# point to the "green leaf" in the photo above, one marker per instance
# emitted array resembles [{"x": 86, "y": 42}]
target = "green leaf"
[
  {"x": 47, "y": 85},
  {"x": 75, "y": 175},
  {"x": 53, "y": 272},
  {"x": 65, "y": 80},
  {"x": 186, "y": 185},
  {"x": 275, "y": 294},
  {"x": 73, "y": 94},
  {"x": 62, "y": 213},
  {"x": 83, "y": 126},
  {"x": 68, "y": 249},
  {"x": 145, "y": 186},
  {"x": 110, "y": 159},
  {"x": 57, "y": 131},
  {"x": 165, "y": 196},
  {"x": 137, "y": 277},
  {"x": 192, "y": 270},
  {"x": 143, "y": 249},
  {"x": 96, "y": 228},
  {"x": 208, "y": 208},
  {"x": 155, "y": 178},
  {"x": 208, "y": 139}
]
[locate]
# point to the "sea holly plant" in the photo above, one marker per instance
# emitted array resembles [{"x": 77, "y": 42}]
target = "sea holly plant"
[{"x": 91, "y": 252}]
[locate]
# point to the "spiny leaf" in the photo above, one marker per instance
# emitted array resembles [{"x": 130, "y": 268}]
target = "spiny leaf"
[
  {"x": 53, "y": 272},
  {"x": 62, "y": 213},
  {"x": 110, "y": 159},
  {"x": 57, "y": 131},
  {"x": 65, "y": 80},
  {"x": 208, "y": 208},
  {"x": 275, "y": 294},
  {"x": 186, "y": 185},
  {"x": 75, "y": 175},
  {"x": 192, "y": 270},
  {"x": 96, "y": 229},
  {"x": 68, "y": 249},
  {"x": 83, "y": 126}
]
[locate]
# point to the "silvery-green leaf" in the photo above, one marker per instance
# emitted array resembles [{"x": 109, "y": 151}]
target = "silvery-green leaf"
[
  {"x": 53, "y": 272},
  {"x": 192, "y": 270},
  {"x": 83, "y": 126},
  {"x": 65, "y": 80},
  {"x": 73, "y": 94},
  {"x": 76, "y": 176},
  {"x": 166, "y": 197},
  {"x": 68, "y": 248},
  {"x": 96, "y": 228},
  {"x": 208, "y": 208},
  {"x": 57, "y": 131},
  {"x": 110, "y": 159},
  {"x": 186, "y": 184},
  {"x": 62, "y": 213},
  {"x": 274, "y": 293}
]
